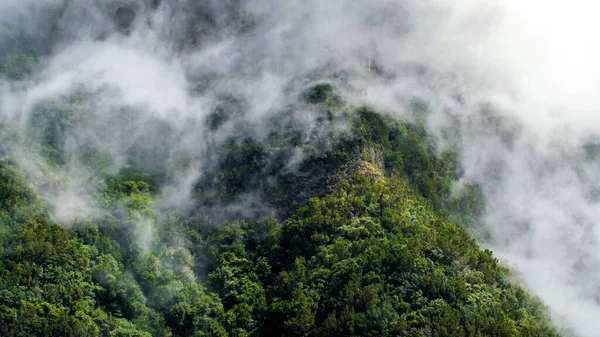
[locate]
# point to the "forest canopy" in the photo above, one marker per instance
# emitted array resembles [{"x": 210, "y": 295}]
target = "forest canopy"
[{"x": 361, "y": 236}]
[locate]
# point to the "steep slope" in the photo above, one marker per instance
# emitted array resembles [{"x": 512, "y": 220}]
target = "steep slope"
[
  {"x": 358, "y": 243},
  {"x": 372, "y": 258},
  {"x": 47, "y": 286},
  {"x": 322, "y": 219}
]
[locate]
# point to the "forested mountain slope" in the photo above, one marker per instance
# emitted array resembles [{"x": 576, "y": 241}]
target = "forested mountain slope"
[
  {"x": 355, "y": 239},
  {"x": 300, "y": 168}
]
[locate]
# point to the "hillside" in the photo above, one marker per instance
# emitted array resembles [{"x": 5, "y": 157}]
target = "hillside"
[
  {"x": 298, "y": 168},
  {"x": 353, "y": 239}
]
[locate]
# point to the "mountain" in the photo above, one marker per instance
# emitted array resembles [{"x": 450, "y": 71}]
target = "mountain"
[
  {"x": 354, "y": 239},
  {"x": 255, "y": 167}
]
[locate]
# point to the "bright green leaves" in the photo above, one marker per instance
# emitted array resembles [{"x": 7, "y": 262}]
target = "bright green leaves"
[
  {"x": 241, "y": 292},
  {"x": 371, "y": 258},
  {"x": 134, "y": 195},
  {"x": 46, "y": 285},
  {"x": 193, "y": 312},
  {"x": 358, "y": 243}
]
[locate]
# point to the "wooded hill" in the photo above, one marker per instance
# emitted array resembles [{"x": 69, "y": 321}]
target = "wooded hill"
[{"x": 355, "y": 239}]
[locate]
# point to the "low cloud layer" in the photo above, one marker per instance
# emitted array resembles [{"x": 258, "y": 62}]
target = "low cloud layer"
[{"x": 514, "y": 82}]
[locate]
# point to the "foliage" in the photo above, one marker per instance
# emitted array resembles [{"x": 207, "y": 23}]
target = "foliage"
[
  {"x": 370, "y": 259},
  {"x": 356, "y": 239},
  {"x": 46, "y": 286}
]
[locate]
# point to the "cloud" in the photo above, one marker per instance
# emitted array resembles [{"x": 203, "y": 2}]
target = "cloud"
[{"x": 516, "y": 81}]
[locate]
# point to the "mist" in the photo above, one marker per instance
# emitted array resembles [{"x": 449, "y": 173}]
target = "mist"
[{"x": 510, "y": 85}]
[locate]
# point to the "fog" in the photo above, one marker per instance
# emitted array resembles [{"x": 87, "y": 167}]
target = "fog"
[{"x": 511, "y": 85}]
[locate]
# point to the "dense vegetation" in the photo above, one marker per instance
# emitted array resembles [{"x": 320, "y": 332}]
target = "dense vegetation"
[{"x": 354, "y": 239}]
